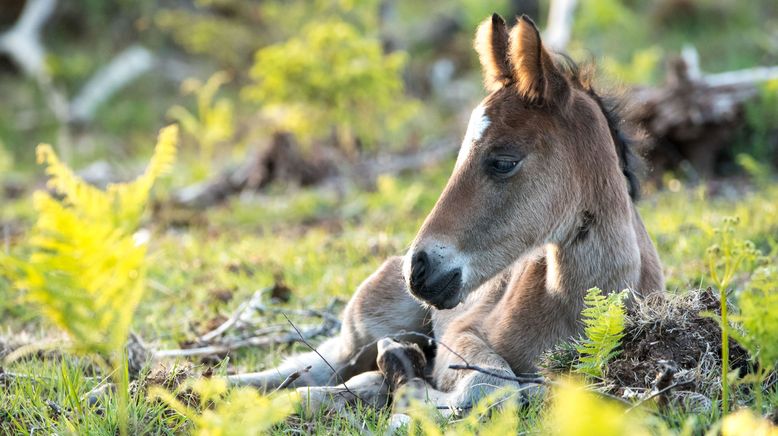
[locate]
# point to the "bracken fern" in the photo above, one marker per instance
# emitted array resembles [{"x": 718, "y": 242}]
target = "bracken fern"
[
  {"x": 603, "y": 319},
  {"x": 236, "y": 412},
  {"x": 85, "y": 270}
]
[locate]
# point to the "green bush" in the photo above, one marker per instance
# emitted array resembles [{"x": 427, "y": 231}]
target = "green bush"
[{"x": 331, "y": 79}]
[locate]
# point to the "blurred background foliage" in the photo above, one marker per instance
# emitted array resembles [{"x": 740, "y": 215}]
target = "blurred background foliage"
[{"x": 361, "y": 75}]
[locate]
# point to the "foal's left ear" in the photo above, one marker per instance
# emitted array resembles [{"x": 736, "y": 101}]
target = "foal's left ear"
[
  {"x": 535, "y": 74},
  {"x": 491, "y": 44}
]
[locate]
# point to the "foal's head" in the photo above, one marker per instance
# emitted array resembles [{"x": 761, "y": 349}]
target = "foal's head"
[{"x": 540, "y": 161}]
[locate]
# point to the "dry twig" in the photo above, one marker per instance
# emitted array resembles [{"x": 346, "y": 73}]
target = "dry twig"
[{"x": 292, "y": 377}]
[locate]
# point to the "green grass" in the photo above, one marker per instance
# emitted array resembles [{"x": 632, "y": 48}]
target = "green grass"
[{"x": 323, "y": 246}]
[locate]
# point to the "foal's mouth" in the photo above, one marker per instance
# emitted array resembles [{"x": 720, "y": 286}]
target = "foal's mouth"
[{"x": 441, "y": 293}]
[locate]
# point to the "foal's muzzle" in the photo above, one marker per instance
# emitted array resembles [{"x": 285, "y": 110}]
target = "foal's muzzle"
[{"x": 430, "y": 282}]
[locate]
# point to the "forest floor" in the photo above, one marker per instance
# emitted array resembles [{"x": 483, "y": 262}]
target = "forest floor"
[{"x": 311, "y": 249}]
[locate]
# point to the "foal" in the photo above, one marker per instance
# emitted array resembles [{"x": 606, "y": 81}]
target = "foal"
[{"x": 538, "y": 210}]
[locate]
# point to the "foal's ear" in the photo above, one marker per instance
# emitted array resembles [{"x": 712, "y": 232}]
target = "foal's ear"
[
  {"x": 491, "y": 44},
  {"x": 536, "y": 76}
]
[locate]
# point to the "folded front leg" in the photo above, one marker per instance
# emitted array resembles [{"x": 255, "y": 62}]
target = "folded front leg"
[
  {"x": 463, "y": 388},
  {"x": 369, "y": 388}
]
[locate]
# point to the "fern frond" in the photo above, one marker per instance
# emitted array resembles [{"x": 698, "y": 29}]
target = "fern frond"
[
  {"x": 79, "y": 194},
  {"x": 130, "y": 198},
  {"x": 85, "y": 272},
  {"x": 603, "y": 319}
]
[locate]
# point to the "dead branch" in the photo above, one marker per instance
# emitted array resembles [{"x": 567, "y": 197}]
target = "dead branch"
[
  {"x": 664, "y": 378},
  {"x": 218, "y": 342},
  {"x": 747, "y": 77},
  {"x": 368, "y": 170},
  {"x": 283, "y": 161},
  {"x": 312, "y": 348},
  {"x": 535, "y": 380},
  {"x": 226, "y": 325},
  {"x": 22, "y": 43},
  {"x": 694, "y": 117},
  {"x": 560, "y": 24},
  {"x": 11, "y": 376},
  {"x": 258, "y": 341},
  {"x": 657, "y": 393},
  {"x": 123, "y": 69},
  {"x": 531, "y": 381}
]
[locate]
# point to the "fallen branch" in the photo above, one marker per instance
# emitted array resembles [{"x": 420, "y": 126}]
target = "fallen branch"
[
  {"x": 747, "y": 77},
  {"x": 535, "y": 380},
  {"x": 219, "y": 342},
  {"x": 694, "y": 117},
  {"x": 11, "y": 376},
  {"x": 22, "y": 43},
  {"x": 282, "y": 161},
  {"x": 226, "y": 325},
  {"x": 123, "y": 69},
  {"x": 259, "y": 341}
]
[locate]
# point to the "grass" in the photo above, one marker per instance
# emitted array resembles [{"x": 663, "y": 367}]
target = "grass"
[{"x": 322, "y": 245}]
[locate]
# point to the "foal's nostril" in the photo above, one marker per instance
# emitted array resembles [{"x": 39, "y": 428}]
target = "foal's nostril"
[{"x": 419, "y": 266}]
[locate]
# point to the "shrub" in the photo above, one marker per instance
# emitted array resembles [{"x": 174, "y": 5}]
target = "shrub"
[{"x": 331, "y": 78}]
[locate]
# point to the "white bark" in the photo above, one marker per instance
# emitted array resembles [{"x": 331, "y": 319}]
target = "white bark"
[
  {"x": 750, "y": 76},
  {"x": 560, "y": 24},
  {"x": 122, "y": 70},
  {"x": 22, "y": 42}
]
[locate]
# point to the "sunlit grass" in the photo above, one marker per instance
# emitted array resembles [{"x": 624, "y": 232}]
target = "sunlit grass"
[{"x": 323, "y": 245}]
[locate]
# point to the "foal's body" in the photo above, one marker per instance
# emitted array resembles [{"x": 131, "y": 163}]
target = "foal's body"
[{"x": 537, "y": 211}]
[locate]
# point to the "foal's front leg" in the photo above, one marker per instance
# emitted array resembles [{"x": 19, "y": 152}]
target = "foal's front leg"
[
  {"x": 457, "y": 391},
  {"x": 465, "y": 387},
  {"x": 380, "y": 307}
]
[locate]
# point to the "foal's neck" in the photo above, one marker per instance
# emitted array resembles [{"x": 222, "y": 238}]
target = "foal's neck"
[{"x": 604, "y": 254}]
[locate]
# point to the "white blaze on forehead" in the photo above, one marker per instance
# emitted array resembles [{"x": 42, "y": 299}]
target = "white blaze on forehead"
[{"x": 479, "y": 121}]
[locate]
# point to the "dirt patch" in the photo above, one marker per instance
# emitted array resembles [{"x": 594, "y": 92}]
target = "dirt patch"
[{"x": 672, "y": 328}]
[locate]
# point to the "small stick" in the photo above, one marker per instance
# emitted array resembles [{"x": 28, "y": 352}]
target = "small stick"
[
  {"x": 659, "y": 392},
  {"x": 536, "y": 380},
  {"x": 302, "y": 339},
  {"x": 226, "y": 325},
  {"x": 256, "y": 341},
  {"x": 292, "y": 377}
]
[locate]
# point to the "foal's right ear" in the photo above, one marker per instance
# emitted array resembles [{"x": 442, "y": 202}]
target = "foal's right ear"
[
  {"x": 536, "y": 76},
  {"x": 491, "y": 44}
]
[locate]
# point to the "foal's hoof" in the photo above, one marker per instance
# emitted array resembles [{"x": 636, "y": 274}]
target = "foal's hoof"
[
  {"x": 400, "y": 362},
  {"x": 397, "y": 422}
]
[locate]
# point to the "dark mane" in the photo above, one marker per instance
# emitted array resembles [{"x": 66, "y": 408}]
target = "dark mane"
[{"x": 612, "y": 108}]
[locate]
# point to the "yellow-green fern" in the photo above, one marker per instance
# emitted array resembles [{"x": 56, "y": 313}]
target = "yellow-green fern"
[
  {"x": 84, "y": 268},
  {"x": 240, "y": 411},
  {"x": 603, "y": 319}
]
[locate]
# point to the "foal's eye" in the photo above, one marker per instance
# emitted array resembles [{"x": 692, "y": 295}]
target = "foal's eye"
[{"x": 504, "y": 166}]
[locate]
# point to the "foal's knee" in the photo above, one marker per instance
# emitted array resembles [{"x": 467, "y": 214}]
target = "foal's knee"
[{"x": 381, "y": 306}]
